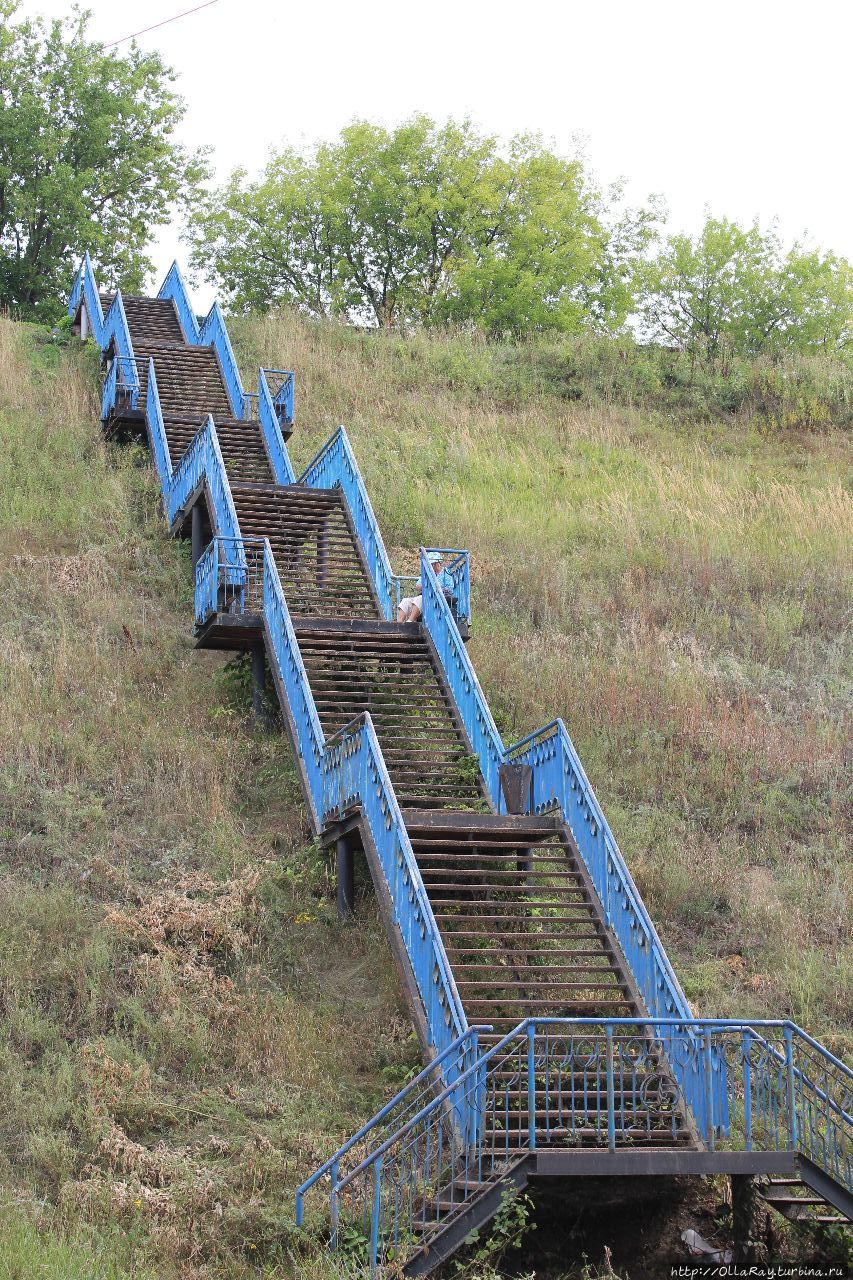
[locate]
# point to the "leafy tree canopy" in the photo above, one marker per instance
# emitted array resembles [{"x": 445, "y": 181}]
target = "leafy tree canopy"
[
  {"x": 88, "y": 158},
  {"x": 737, "y": 288},
  {"x": 425, "y": 223}
]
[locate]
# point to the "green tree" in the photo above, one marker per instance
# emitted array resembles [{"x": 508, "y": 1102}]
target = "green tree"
[
  {"x": 425, "y": 223},
  {"x": 736, "y": 288},
  {"x": 88, "y": 158}
]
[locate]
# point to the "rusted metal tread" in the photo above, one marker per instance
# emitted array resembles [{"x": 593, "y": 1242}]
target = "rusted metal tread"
[
  {"x": 469, "y": 915},
  {"x": 511, "y": 992},
  {"x": 152, "y": 318},
  {"x": 581, "y": 929},
  {"x": 470, "y": 882}
]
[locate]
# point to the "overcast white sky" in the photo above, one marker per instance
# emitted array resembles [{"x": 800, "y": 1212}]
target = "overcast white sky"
[{"x": 745, "y": 107}]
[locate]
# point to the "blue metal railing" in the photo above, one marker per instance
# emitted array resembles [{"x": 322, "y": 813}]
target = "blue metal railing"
[
  {"x": 202, "y": 465},
  {"x": 560, "y": 782},
  {"x": 213, "y": 333},
  {"x": 112, "y": 334},
  {"x": 210, "y": 333},
  {"x": 335, "y": 465},
  {"x": 157, "y": 433},
  {"x": 459, "y": 672},
  {"x": 271, "y": 429},
  {"x": 454, "y": 580},
  {"x": 342, "y": 776},
  {"x": 174, "y": 288},
  {"x": 427, "y": 1085},
  {"x": 282, "y": 397},
  {"x": 762, "y": 1085},
  {"x": 355, "y": 778}
]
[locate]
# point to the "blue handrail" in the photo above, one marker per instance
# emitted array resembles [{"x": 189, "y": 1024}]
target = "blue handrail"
[
  {"x": 283, "y": 397},
  {"x": 174, "y": 288},
  {"x": 778, "y": 1096},
  {"x": 791, "y": 1092},
  {"x": 406, "y": 1103},
  {"x": 355, "y": 777},
  {"x": 335, "y": 465},
  {"x": 560, "y": 782},
  {"x": 271, "y": 430},
  {"x": 344, "y": 775},
  {"x": 480, "y": 727},
  {"x": 111, "y": 333},
  {"x": 210, "y": 333},
  {"x": 157, "y": 432}
]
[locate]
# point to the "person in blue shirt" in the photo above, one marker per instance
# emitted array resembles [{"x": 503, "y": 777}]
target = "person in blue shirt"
[{"x": 411, "y": 607}]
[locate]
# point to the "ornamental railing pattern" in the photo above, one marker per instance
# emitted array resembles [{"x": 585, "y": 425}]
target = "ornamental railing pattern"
[{"x": 586, "y": 1084}]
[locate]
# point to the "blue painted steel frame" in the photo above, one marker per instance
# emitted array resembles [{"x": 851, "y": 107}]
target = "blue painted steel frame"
[
  {"x": 210, "y": 333},
  {"x": 403, "y": 1106},
  {"x": 782, "y": 1098},
  {"x": 110, "y": 331},
  {"x": 459, "y": 672},
  {"x": 335, "y": 465},
  {"x": 271, "y": 429},
  {"x": 559, "y": 782},
  {"x": 348, "y": 773}
]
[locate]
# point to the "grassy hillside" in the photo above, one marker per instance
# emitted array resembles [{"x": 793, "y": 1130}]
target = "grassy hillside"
[
  {"x": 186, "y": 1028},
  {"x": 678, "y": 590}
]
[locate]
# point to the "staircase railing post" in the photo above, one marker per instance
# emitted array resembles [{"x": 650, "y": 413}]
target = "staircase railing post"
[
  {"x": 334, "y": 1174},
  {"x": 747, "y": 1089},
  {"x": 793, "y": 1136},
  {"x": 611, "y": 1090},
  {"x": 375, "y": 1214},
  {"x": 709, "y": 1088},
  {"x": 531, "y": 1085}
]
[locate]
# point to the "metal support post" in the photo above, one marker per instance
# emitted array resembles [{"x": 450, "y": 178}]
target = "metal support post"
[
  {"x": 345, "y": 863},
  {"x": 611, "y": 1090},
  {"x": 743, "y": 1214},
  {"x": 197, "y": 535},
  {"x": 531, "y": 1086},
  {"x": 259, "y": 687}
]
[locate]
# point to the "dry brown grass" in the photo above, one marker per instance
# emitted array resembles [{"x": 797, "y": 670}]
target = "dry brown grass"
[
  {"x": 188, "y": 1029},
  {"x": 680, "y": 595}
]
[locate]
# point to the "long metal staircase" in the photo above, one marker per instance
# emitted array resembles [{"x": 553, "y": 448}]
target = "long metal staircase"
[{"x": 557, "y": 1039}]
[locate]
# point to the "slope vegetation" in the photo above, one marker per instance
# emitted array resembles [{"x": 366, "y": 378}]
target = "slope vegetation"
[
  {"x": 185, "y": 1026},
  {"x": 678, "y": 589},
  {"x": 186, "y": 1030}
]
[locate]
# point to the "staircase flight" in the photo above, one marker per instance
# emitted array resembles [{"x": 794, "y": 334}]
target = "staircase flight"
[{"x": 556, "y": 1036}]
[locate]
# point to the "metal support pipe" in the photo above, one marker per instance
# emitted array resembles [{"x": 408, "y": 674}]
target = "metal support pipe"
[
  {"x": 743, "y": 1214},
  {"x": 259, "y": 687},
  {"x": 345, "y": 864},
  {"x": 197, "y": 534}
]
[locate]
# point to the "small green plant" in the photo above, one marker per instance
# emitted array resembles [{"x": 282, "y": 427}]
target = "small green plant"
[{"x": 506, "y": 1232}]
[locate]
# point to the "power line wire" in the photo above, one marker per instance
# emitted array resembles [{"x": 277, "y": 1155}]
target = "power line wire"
[{"x": 186, "y": 13}]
